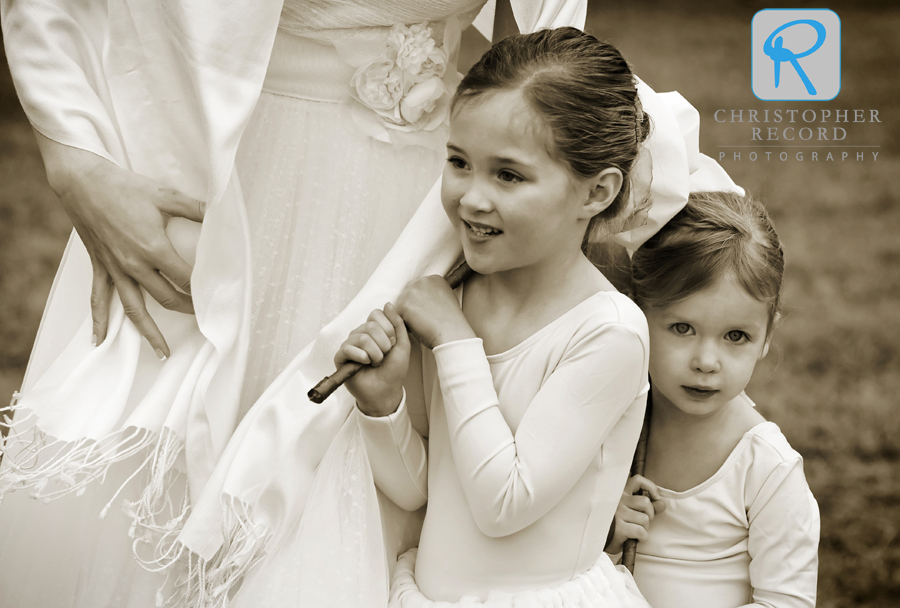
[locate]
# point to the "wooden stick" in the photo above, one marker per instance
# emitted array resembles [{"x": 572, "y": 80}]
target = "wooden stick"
[
  {"x": 629, "y": 548},
  {"x": 327, "y": 386}
]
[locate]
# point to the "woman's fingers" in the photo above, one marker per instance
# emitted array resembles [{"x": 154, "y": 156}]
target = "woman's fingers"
[
  {"x": 177, "y": 204},
  {"x": 100, "y": 293},
  {"x": 121, "y": 217},
  {"x": 136, "y": 310},
  {"x": 174, "y": 268},
  {"x": 164, "y": 292}
]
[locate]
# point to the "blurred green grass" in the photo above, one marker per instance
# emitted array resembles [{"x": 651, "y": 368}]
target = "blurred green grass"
[{"x": 831, "y": 381}]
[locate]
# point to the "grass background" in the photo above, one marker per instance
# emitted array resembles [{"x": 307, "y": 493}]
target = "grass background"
[{"x": 831, "y": 381}]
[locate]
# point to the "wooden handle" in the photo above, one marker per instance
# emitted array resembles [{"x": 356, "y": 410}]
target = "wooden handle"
[
  {"x": 323, "y": 389},
  {"x": 629, "y": 548}
]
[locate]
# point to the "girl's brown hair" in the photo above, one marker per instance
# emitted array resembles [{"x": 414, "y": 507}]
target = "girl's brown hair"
[
  {"x": 717, "y": 234},
  {"x": 584, "y": 91}
]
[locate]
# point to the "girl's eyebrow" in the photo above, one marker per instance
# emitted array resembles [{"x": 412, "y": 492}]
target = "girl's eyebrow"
[
  {"x": 511, "y": 161},
  {"x": 505, "y": 160}
]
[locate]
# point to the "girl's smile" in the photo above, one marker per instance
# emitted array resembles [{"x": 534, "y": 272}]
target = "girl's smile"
[{"x": 482, "y": 231}]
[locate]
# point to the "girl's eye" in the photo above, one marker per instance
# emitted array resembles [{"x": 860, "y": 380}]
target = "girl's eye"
[
  {"x": 681, "y": 328},
  {"x": 736, "y": 336},
  {"x": 457, "y": 162},
  {"x": 509, "y": 177}
]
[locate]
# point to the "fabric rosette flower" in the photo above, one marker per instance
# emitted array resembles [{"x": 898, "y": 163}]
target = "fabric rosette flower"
[
  {"x": 379, "y": 85},
  {"x": 425, "y": 104},
  {"x": 403, "y": 90}
]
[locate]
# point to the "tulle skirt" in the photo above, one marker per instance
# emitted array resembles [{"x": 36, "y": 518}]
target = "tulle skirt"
[{"x": 325, "y": 203}]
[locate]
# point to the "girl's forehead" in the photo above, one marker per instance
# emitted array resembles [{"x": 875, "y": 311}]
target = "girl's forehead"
[
  {"x": 499, "y": 119},
  {"x": 723, "y": 301}
]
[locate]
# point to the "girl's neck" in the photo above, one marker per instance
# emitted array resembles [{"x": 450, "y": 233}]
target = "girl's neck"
[
  {"x": 685, "y": 450},
  {"x": 506, "y": 308},
  {"x": 565, "y": 277}
]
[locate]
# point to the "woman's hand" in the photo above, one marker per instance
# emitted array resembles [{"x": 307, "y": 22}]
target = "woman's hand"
[
  {"x": 635, "y": 512},
  {"x": 121, "y": 218},
  {"x": 382, "y": 345},
  {"x": 432, "y": 312}
]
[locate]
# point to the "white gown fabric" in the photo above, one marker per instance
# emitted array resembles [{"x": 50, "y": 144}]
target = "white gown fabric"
[{"x": 316, "y": 198}]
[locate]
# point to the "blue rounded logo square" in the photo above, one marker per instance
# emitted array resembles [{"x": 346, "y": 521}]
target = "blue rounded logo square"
[{"x": 796, "y": 54}]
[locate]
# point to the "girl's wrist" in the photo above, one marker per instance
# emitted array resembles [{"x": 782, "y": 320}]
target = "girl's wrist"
[
  {"x": 455, "y": 334},
  {"x": 378, "y": 406}
]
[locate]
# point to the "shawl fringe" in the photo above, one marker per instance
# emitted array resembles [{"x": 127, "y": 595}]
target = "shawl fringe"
[
  {"x": 50, "y": 468},
  {"x": 156, "y": 520},
  {"x": 200, "y": 583}
]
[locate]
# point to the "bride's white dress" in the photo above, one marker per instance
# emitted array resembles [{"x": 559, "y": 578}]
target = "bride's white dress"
[{"x": 325, "y": 202}]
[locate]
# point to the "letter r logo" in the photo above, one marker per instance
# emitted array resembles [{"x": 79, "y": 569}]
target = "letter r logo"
[{"x": 796, "y": 54}]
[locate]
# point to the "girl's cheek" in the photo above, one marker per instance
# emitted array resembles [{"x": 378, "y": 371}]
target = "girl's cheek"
[{"x": 450, "y": 194}]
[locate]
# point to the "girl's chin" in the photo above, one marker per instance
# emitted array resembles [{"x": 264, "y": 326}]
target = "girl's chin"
[
  {"x": 478, "y": 263},
  {"x": 482, "y": 264}
]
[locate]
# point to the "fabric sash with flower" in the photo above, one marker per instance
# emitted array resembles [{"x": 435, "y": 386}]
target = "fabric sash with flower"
[{"x": 402, "y": 86}]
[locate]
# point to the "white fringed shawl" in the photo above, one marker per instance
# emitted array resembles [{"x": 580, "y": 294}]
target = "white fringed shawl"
[{"x": 165, "y": 88}]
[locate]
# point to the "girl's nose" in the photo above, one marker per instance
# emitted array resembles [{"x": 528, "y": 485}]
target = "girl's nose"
[
  {"x": 474, "y": 199},
  {"x": 706, "y": 359}
]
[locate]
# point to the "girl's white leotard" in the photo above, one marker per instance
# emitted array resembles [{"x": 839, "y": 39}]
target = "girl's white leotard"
[
  {"x": 527, "y": 453},
  {"x": 749, "y": 535}
]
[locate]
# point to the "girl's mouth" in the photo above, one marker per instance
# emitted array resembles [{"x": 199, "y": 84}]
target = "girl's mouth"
[
  {"x": 699, "y": 393},
  {"x": 482, "y": 231}
]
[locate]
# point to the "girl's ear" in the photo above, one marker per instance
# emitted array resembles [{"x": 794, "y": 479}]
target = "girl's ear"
[{"x": 605, "y": 187}]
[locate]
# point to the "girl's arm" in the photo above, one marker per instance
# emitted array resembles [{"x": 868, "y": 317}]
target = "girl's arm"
[
  {"x": 511, "y": 480},
  {"x": 784, "y": 540},
  {"x": 397, "y": 452},
  {"x": 398, "y": 456}
]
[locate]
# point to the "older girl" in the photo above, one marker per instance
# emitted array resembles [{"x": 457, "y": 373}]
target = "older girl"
[{"x": 534, "y": 370}]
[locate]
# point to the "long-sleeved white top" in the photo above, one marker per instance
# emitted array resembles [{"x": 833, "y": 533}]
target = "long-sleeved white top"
[
  {"x": 528, "y": 450},
  {"x": 747, "y": 536}
]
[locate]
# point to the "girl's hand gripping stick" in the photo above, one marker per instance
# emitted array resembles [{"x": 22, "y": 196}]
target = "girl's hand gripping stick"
[{"x": 327, "y": 386}]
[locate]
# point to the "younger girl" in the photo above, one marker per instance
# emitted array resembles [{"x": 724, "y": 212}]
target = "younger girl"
[
  {"x": 535, "y": 381},
  {"x": 740, "y": 526}
]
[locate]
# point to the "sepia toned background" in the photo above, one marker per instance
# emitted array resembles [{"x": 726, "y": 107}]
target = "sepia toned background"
[{"x": 832, "y": 378}]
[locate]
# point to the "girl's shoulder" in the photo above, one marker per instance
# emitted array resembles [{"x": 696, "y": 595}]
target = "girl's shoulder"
[
  {"x": 606, "y": 316},
  {"x": 761, "y": 452},
  {"x": 614, "y": 308},
  {"x": 768, "y": 445},
  {"x": 771, "y": 465},
  {"x": 606, "y": 322}
]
